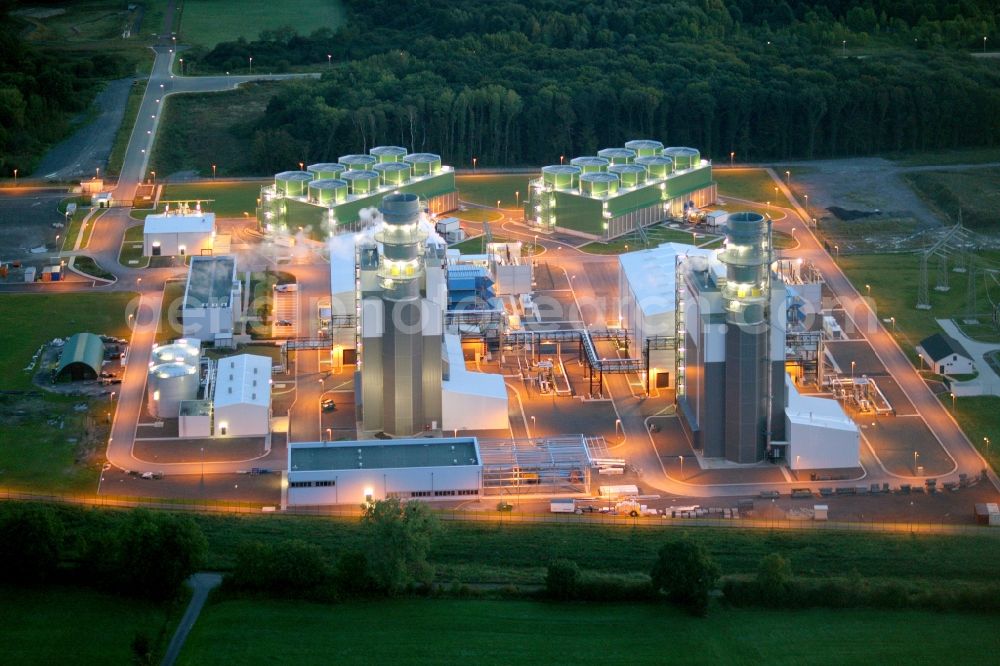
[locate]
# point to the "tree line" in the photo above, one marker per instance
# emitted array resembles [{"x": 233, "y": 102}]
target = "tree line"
[
  {"x": 517, "y": 83},
  {"x": 41, "y": 90}
]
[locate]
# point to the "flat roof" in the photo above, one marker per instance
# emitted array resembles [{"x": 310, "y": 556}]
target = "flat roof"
[
  {"x": 383, "y": 454},
  {"x": 242, "y": 379},
  {"x": 174, "y": 222},
  {"x": 652, "y": 277},
  {"x": 210, "y": 281},
  {"x": 196, "y": 408},
  {"x": 813, "y": 410},
  {"x": 465, "y": 381}
]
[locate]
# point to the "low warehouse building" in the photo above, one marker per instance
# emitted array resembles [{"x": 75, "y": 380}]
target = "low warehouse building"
[
  {"x": 242, "y": 396},
  {"x": 212, "y": 299},
  {"x": 321, "y": 473},
  {"x": 470, "y": 400},
  {"x": 178, "y": 232},
  {"x": 82, "y": 357}
]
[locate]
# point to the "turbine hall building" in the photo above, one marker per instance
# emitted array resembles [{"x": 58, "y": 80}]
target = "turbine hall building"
[
  {"x": 619, "y": 190},
  {"x": 328, "y": 196}
]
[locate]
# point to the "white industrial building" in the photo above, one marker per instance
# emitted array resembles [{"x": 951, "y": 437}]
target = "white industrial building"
[
  {"x": 343, "y": 301},
  {"x": 212, "y": 300},
  {"x": 820, "y": 434},
  {"x": 178, "y": 232},
  {"x": 241, "y": 396},
  {"x": 647, "y": 283},
  {"x": 322, "y": 473},
  {"x": 470, "y": 400}
]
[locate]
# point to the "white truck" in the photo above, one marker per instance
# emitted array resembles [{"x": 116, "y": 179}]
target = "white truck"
[{"x": 562, "y": 505}]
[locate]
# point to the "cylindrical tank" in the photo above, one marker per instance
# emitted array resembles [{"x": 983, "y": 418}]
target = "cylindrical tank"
[
  {"x": 328, "y": 190},
  {"x": 645, "y": 147},
  {"x": 617, "y": 155},
  {"x": 656, "y": 167},
  {"x": 388, "y": 153},
  {"x": 630, "y": 175},
  {"x": 187, "y": 350},
  {"x": 292, "y": 183},
  {"x": 325, "y": 170},
  {"x": 684, "y": 158},
  {"x": 357, "y": 162},
  {"x": 169, "y": 384},
  {"x": 360, "y": 182},
  {"x": 561, "y": 176},
  {"x": 393, "y": 173},
  {"x": 423, "y": 163},
  {"x": 590, "y": 164},
  {"x": 598, "y": 184}
]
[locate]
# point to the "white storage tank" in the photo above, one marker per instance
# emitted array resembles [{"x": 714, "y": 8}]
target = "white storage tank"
[
  {"x": 185, "y": 350},
  {"x": 168, "y": 385}
]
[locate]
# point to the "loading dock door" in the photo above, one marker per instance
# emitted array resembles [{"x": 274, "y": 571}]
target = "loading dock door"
[{"x": 662, "y": 380}]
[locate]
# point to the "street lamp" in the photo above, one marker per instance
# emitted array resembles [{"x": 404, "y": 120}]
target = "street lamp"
[
  {"x": 984, "y": 45},
  {"x": 251, "y": 64},
  {"x": 788, "y": 179},
  {"x": 915, "y": 456},
  {"x": 473, "y": 163},
  {"x": 153, "y": 174},
  {"x": 844, "y": 42},
  {"x": 561, "y": 158},
  {"x": 986, "y": 440},
  {"x": 893, "y": 320},
  {"x": 732, "y": 158},
  {"x": 954, "y": 405},
  {"x": 329, "y": 60},
  {"x": 517, "y": 198},
  {"x": 498, "y": 203},
  {"x": 868, "y": 288},
  {"x": 836, "y": 249},
  {"x": 807, "y": 205},
  {"x": 853, "y": 363},
  {"x": 302, "y": 166},
  {"x": 15, "y": 177},
  {"x": 682, "y": 466},
  {"x": 182, "y": 66}
]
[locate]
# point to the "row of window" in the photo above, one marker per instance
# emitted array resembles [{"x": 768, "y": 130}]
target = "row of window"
[{"x": 311, "y": 484}]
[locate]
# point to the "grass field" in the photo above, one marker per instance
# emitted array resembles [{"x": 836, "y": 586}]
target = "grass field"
[
  {"x": 522, "y": 632},
  {"x": 487, "y": 553},
  {"x": 208, "y": 22},
  {"x": 656, "y": 235},
  {"x": 72, "y": 230},
  {"x": 41, "y": 437},
  {"x": 486, "y": 190},
  {"x": 131, "y": 251},
  {"x": 477, "y": 215},
  {"x": 117, "y": 156},
  {"x": 475, "y": 245},
  {"x": 89, "y": 266},
  {"x": 228, "y": 199},
  {"x": 173, "y": 298},
  {"x": 949, "y": 157},
  {"x": 198, "y": 131},
  {"x": 27, "y": 328},
  {"x": 62, "y": 624},
  {"x": 979, "y": 417},
  {"x": 92, "y": 20},
  {"x": 975, "y": 192},
  {"x": 894, "y": 279},
  {"x": 750, "y": 184}
]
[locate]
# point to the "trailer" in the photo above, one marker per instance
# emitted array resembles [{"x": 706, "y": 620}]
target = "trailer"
[{"x": 562, "y": 505}]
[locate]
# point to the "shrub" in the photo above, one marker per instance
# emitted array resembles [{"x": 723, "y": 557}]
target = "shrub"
[
  {"x": 562, "y": 580},
  {"x": 399, "y": 538},
  {"x": 685, "y": 573},
  {"x": 351, "y": 575},
  {"x": 278, "y": 568},
  {"x": 31, "y": 540}
]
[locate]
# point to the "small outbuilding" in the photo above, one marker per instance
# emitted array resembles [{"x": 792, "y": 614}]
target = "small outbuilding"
[
  {"x": 242, "y": 397},
  {"x": 178, "y": 233},
  {"x": 82, "y": 357},
  {"x": 945, "y": 355}
]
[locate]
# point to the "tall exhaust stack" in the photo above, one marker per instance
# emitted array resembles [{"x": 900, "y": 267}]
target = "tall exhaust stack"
[
  {"x": 746, "y": 296},
  {"x": 401, "y": 329}
]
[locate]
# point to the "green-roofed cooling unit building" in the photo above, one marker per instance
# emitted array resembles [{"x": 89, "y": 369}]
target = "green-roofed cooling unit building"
[
  {"x": 82, "y": 357},
  {"x": 329, "y": 197},
  {"x": 619, "y": 189}
]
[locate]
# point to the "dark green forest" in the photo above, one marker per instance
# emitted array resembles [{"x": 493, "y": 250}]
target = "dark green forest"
[
  {"x": 521, "y": 83},
  {"x": 41, "y": 91}
]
